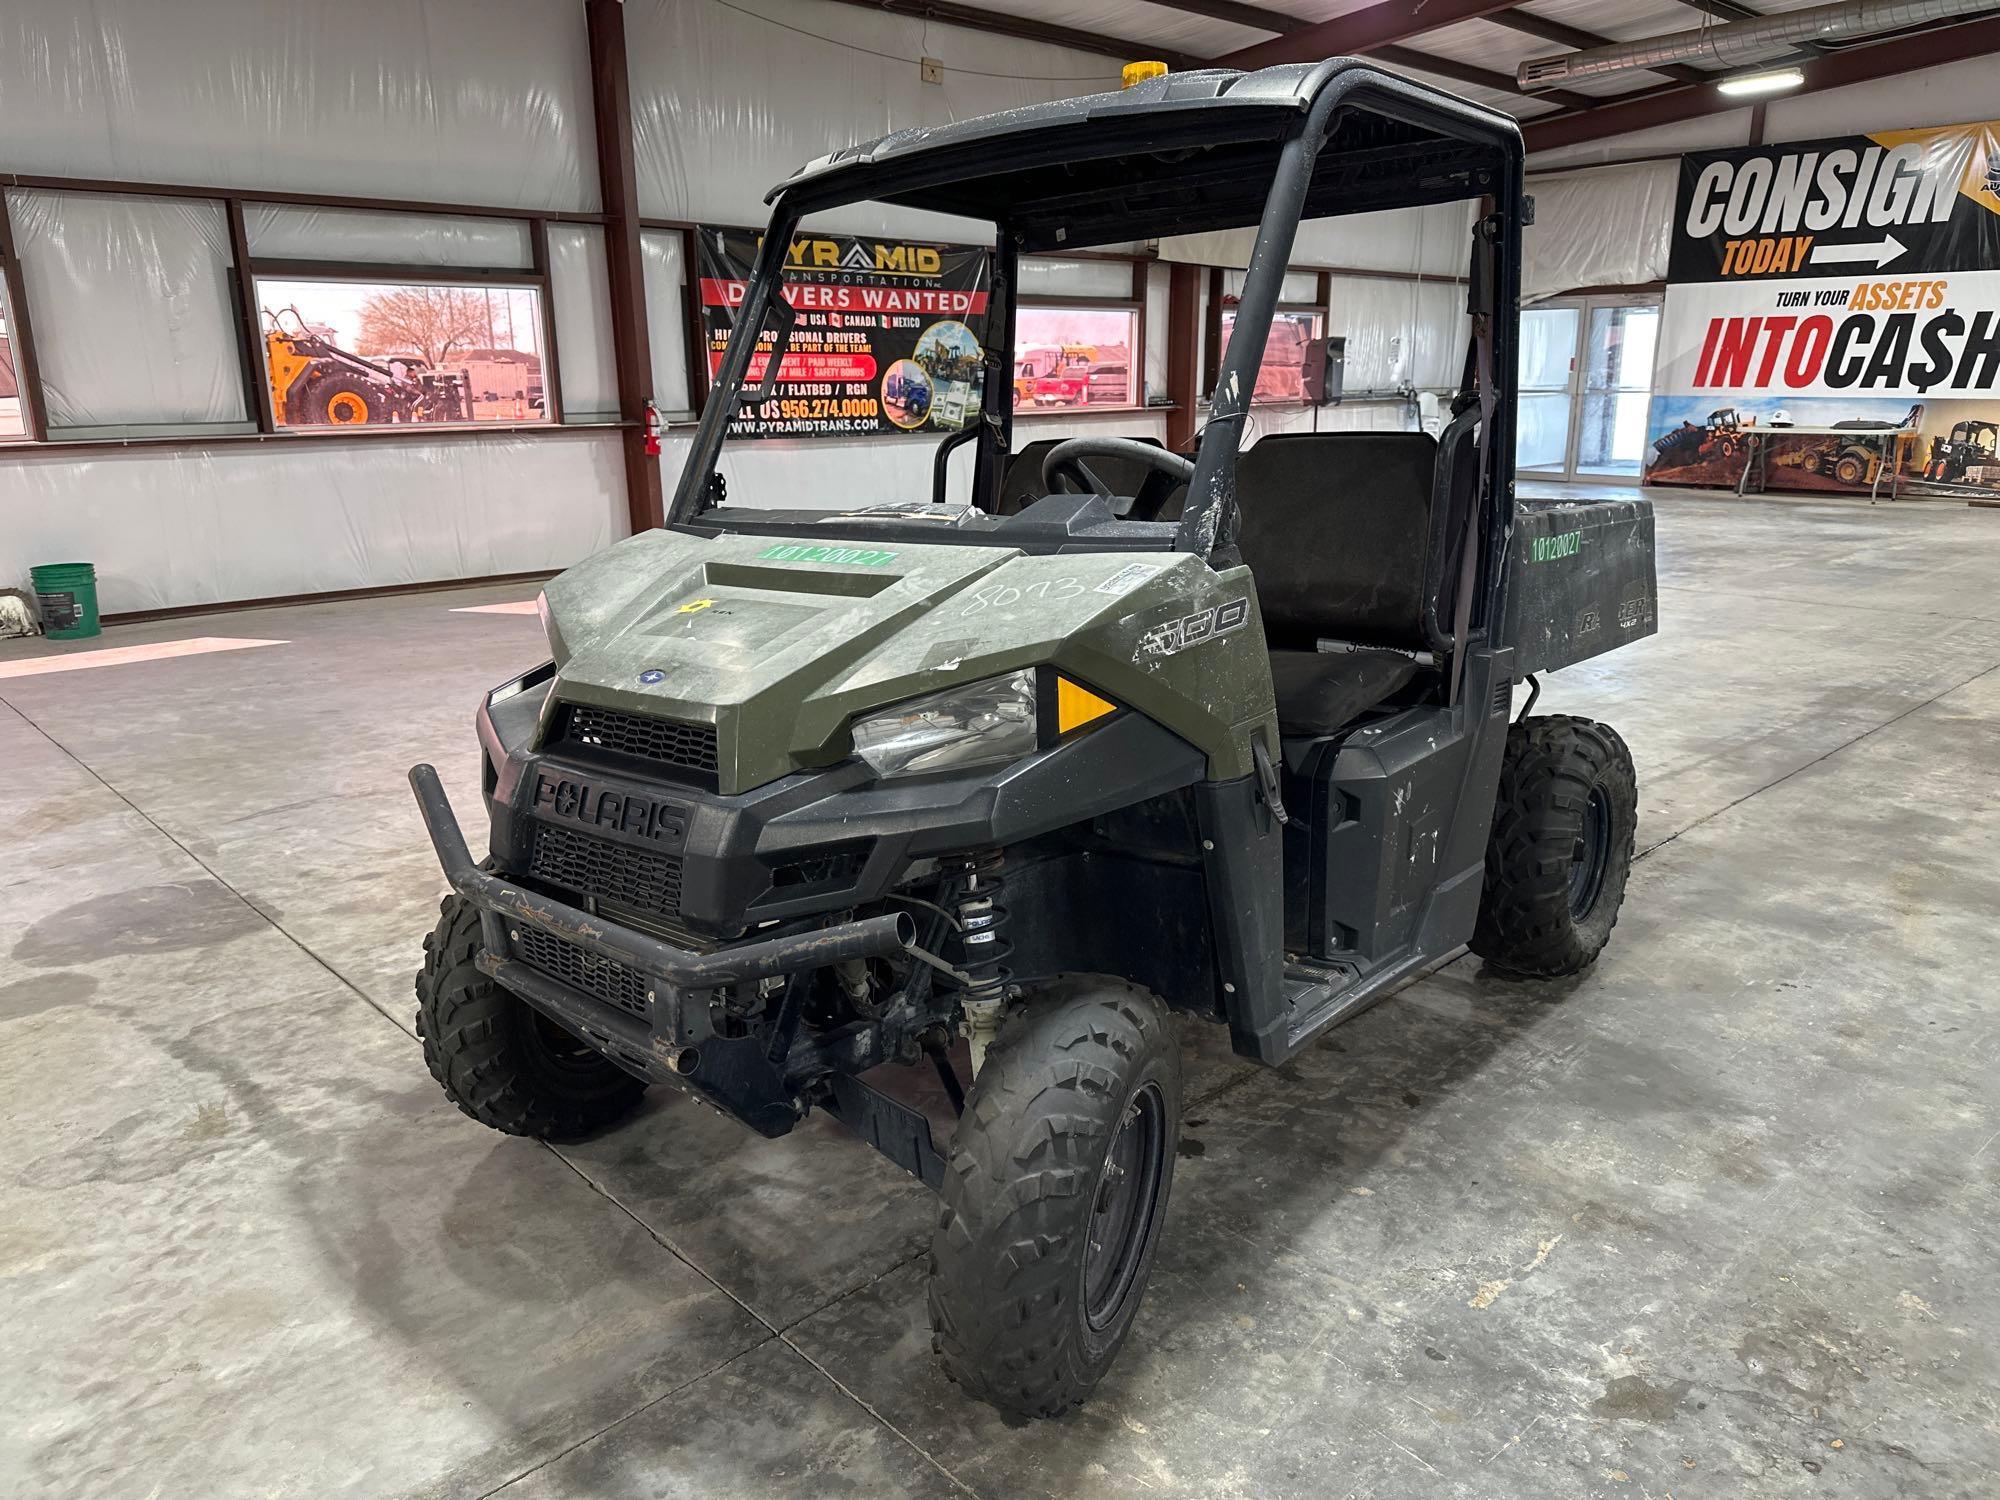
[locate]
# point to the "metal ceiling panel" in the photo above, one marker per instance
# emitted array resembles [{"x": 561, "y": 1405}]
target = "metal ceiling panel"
[
  {"x": 1476, "y": 43},
  {"x": 1482, "y": 44},
  {"x": 1620, "y": 20},
  {"x": 1137, "y": 20}
]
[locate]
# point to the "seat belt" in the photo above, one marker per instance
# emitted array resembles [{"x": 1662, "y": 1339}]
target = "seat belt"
[{"x": 1477, "y": 384}]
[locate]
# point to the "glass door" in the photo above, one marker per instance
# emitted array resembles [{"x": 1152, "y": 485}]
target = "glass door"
[
  {"x": 1586, "y": 378},
  {"x": 1547, "y": 374},
  {"x": 1615, "y": 387}
]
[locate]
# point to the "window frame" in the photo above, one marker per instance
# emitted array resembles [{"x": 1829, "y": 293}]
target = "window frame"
[
  {"x": 1135, "y": 359},
  {"x": 20, "y": 340},
  {"x": 370, "y": 273},
  {"x": 244, "y": 270},
  {"x": 1225, "y": 315},
  {"x": 242, "y": 273}
]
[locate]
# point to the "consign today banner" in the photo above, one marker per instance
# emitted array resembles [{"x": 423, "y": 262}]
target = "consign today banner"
[{"x": 1845, "y": 283}]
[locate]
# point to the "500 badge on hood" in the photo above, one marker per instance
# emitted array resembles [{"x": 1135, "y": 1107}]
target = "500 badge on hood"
[{"x": 1175, "y": 636}]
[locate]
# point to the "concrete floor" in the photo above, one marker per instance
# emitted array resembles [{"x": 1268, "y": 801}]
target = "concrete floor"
[{"x": 1716, "y": 1219}]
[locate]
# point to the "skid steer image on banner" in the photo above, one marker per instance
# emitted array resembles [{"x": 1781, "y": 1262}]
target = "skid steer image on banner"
[
  {"x": 994, "y": 783},
  {"x": 1967, "y": 456}
]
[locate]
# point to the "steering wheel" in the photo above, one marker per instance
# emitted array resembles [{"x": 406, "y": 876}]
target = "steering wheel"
[{"x": 1064, "y": 470}]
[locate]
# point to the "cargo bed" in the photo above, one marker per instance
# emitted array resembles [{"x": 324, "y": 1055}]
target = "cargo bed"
[{"x": 1583, "y": 580}]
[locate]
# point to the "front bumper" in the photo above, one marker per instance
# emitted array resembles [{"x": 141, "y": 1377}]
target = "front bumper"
[
  {"x": 665, "y": 854},
  {"x": 664, "y": 1037}
]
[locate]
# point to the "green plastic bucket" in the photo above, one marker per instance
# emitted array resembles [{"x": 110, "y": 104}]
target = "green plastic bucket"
[{"x": 67, "y": 595}]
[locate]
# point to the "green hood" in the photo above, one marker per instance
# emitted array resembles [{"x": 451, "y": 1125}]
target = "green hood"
[{"x": 778, "y": 643}]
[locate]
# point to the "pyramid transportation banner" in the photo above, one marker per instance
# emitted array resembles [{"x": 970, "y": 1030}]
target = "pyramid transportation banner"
[
  {"x": 890, "y": 335},
  {"x": 1850, "y": 285}
]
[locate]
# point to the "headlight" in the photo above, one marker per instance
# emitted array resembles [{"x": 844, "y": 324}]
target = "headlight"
[{"x": 975, "y": 724}]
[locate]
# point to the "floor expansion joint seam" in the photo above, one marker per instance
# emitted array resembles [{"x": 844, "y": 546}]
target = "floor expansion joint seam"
[
  {"x": 774, "y": 1332},
  {"x": 616, "y": 1422},
  {"x": 771, "y": 1330},
  {"x": 1848, "y": 744},
  {"x": 206, "y": 868}
]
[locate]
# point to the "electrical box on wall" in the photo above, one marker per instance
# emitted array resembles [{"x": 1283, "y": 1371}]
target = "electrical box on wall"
[
  {"x": 932, "y": 68},
  {"x": 1325, "y": 370}
]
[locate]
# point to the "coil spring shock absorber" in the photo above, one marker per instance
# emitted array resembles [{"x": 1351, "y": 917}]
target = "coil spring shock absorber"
[{"x": 983, "y": 950}]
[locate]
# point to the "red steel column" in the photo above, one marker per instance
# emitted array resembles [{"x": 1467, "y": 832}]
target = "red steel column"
[
  {"x": 617, "y": 171},
  {"x": 1183, "y": 361}
]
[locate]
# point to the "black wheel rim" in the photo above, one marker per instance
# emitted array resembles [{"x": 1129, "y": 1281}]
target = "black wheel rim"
[
  {"x": 1126, "y": 1203},
  {"x": 569, "y": 1058},
  {"x": 1593, "y": 853}
]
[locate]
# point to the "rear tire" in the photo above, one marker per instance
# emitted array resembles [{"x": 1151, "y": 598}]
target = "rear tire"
[
  {"x": 1851, "y": 470},
  {"x": 501, "y": 1061},
  {"x": 1561, "y": 847},
  {"x": 1067, "y": 1142}
]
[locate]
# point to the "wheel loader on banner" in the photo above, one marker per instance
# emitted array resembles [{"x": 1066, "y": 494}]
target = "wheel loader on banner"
[{"x": 998, "y": 786}]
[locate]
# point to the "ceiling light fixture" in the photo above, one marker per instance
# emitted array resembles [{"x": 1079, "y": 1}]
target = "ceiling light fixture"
[{"x": 1770, "y": 81}]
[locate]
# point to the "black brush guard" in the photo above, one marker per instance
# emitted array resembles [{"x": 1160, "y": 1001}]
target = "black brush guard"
[{"x": 737, "y": 1074}]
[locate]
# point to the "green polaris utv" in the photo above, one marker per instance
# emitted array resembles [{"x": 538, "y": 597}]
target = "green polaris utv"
[{"x": 805, "y": 792}]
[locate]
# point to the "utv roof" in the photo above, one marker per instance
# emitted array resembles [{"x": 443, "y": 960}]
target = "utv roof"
[{"x": 1175, "y": 154}]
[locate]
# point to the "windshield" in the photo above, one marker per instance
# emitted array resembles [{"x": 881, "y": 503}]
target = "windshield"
[
  {"x": 895, "y": 339},
  {"x": 890, "y": 339},
  {"x": 822, "y": 342},
  {"x": 929, "y": 352}
]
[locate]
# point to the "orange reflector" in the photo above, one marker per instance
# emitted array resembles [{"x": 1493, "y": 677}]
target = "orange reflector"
[{"x": 1077, "y": 706}]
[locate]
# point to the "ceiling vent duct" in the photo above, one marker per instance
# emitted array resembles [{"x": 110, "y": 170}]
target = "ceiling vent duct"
[{"x": 1733, "y": 43}]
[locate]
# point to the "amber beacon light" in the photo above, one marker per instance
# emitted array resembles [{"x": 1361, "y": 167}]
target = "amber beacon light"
[{"x": 1139, "y": 72}]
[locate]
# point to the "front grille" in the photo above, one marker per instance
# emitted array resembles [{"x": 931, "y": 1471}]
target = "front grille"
[
  {"x": 665, "y": 742},
  {"x": 585, "y": 866},
  {"x": 835, "y": 863},
  {"x": 610, "y": 982}
]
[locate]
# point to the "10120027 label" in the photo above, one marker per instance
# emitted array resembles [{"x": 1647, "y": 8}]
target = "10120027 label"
[
  {"x": 1549, "y": 548},
  {"x": 853, "y": 557}
]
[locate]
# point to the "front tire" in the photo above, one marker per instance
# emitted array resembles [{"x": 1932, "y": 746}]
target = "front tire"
[
  {"x": 330, "y": 401},
  {"x": 501, "y": 1061},
  {"x": 1561, "y": 847},
  {"x": 1054, "y": 1194}
]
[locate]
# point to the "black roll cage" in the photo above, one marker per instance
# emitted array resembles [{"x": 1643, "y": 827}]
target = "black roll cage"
[{"x": 1395, "y": 143}]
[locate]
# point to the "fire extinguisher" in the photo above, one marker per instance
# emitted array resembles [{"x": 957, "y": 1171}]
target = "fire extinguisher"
[{"x": 654, "y": 428}]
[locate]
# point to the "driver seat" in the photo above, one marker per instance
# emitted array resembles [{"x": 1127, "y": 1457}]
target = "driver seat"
[
  {"x": 1341, "y": 533},
  {"x": 1320, "y": 692}
]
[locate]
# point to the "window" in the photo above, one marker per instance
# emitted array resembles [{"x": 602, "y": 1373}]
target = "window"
[
  {"x": 1069, "y": 357},
  {"x": 13, "y": 419},
  {"x": 130, "y": 299},
  {"x": 347, "y": 353},
  {"x": 665, "y": 253},
  {"x": 1282, "y": 375}
]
